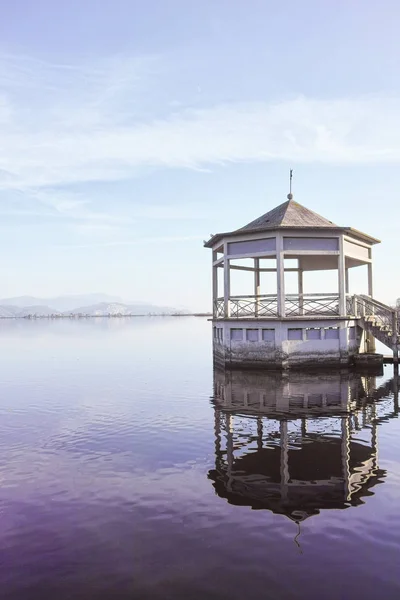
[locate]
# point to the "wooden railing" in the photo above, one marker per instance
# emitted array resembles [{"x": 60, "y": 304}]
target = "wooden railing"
[
  {"x": 266, "y": 305},
  {"x": 312, "y": 305},
  {"x": 254, "y": 306}
]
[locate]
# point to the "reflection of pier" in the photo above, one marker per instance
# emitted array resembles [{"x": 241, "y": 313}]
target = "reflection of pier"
[{"x": 300, "y": 443}]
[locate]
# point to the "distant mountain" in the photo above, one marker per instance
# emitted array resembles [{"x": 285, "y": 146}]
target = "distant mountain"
[
  {"x": 100, "y": 309},
  {"x": 8, "y": 311},
  {"x": 36, "y": 311},
  {"x": 60, "y": 303},
  {"x": 118, "y": 308}
]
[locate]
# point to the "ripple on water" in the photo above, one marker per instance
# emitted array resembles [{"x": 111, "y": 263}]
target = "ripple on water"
[{"x": 117, "y": 482}]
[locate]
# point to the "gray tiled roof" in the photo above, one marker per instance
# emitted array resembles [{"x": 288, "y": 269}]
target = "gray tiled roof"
[
  {"x": 288, "y": 214},
  {"x": 291, "y": 215}
]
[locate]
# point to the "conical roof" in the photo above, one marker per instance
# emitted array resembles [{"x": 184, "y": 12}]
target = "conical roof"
[
  {"x": 291, "y": 215},
  {"x": 288, "y": 214}
]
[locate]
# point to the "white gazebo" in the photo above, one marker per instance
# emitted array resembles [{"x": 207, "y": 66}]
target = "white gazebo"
[{"x": 271, "y": 327}]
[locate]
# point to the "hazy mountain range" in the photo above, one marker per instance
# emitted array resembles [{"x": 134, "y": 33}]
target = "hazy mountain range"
[{"x": 88, "y": 304}]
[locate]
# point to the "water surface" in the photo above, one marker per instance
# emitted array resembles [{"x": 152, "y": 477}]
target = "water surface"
[{"x": 130, "y": 470}]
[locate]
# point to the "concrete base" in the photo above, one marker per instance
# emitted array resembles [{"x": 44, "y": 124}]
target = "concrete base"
[{"x": 286, "y": 343}]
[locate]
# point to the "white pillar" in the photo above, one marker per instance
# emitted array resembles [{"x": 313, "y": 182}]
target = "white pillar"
[
  {"x": 370, "y": 337},
  {"x": 256, "y": 286},
  {"x": 300, "y": 289},
  {"x": 227, "y": 283},
  {"x": 370, "y": 283},
  {"x": 342, "y": 276},
  {"x": 347, "y": 287},
  {"x": 214, "y": 285},
  {"x": 280, "y": 272}
]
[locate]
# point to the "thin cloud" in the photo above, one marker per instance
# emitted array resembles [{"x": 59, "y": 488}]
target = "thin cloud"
[
  {"x": 101, "y": 130},
  {"x": 362, "y": 131},
  {"x": 136, "y": 242}
]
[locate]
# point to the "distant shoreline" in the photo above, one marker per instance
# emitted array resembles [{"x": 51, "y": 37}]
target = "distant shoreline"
[{"x": 117, "y": 316}]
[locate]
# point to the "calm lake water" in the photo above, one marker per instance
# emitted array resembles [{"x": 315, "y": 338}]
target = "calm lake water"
[{"x": 130, "y": 470}]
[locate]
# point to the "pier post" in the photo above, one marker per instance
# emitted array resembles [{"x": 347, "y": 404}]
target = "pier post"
[
  {"x": 396, "y": 389},
  {"x": 395, "y": 342}
]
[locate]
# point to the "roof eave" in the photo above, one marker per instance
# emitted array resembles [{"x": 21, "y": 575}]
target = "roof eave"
[
  {"x": 237, "y": 232},
  {"x": 349, "y": 230},
  {"x": 362, "y": 236}
]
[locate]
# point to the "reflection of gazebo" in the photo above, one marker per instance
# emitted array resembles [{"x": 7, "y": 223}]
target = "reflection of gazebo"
[{"x": 293, "y": 463}]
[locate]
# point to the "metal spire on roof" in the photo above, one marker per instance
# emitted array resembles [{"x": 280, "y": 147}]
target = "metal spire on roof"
[{"x": 290, "y": 195}]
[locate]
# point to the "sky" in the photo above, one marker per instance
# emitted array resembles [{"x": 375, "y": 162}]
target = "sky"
[{"x": 131, "y": 131}]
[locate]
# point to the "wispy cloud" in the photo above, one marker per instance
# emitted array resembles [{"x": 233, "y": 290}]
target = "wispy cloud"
[
  {"x": 62, "y": 206},
  {"x": 74, "y": 206},
  {"x": 101, "y": 131},
  {"x": 137, "y": 241}
]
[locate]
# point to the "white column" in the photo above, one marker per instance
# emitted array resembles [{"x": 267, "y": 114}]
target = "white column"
[
  {"x": 280, "y": 273},
  {"x": 342, "y": 277},
  {"x": 256, "y": 285},
  {"x": 370, "y": 283},
  {"x": 300, "y": 288},
  {"x": 371, "y": 339},
  {"x": 214, "y": 284},
  {"x": 347, "y": 286},
  {"x": 227, "y": 283}
]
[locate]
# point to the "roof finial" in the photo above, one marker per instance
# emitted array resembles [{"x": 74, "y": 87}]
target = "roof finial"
[{"x": 290, "y": 195}]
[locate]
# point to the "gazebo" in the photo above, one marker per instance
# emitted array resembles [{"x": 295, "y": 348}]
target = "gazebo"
[{"x": 269, "y": 326}]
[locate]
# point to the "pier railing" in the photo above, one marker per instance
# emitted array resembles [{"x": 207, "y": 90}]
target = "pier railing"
[
  {"x": 380, "y": 319},
  {"x": 266, "y": 305}
]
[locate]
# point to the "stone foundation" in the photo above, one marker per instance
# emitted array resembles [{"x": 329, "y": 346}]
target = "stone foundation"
[{"x": 284, "y": 344}]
